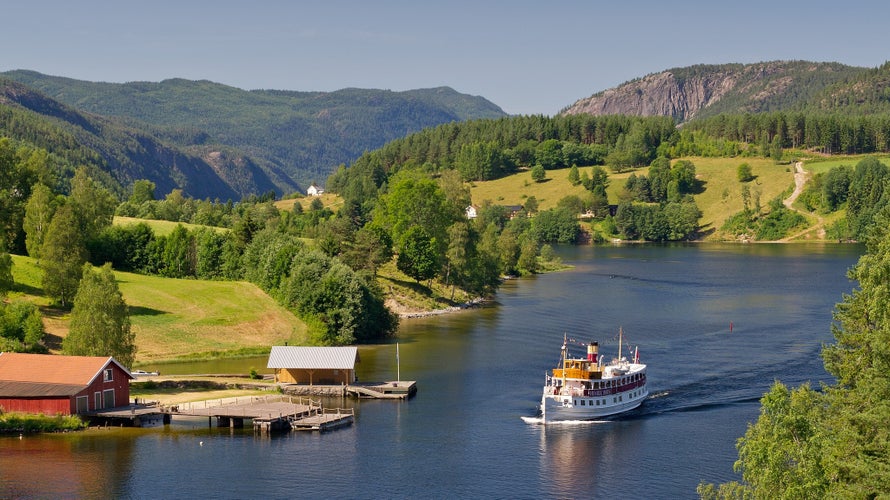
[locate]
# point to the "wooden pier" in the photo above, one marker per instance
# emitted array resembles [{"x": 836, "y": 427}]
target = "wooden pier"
[
  {"x": 268, "y": 413},
  {"x": 387, "y": 390}
]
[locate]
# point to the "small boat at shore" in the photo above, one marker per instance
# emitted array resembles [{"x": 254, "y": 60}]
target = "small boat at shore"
[{"x": 587, "y": 388}]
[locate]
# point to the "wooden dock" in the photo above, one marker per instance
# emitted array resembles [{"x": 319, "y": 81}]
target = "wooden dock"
[
  {"x": 403, "y": 389},
  {"x": 267, "y": 413},
  {"x": 324, "y": 420}
]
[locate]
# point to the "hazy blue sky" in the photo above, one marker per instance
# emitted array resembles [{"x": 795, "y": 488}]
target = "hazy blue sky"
[{"x": 525, "y": 56}]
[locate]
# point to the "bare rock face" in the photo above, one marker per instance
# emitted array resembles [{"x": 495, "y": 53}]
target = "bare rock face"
[
  {"x": 683, "y": 93},
  {"x": 659, "y": 94}
]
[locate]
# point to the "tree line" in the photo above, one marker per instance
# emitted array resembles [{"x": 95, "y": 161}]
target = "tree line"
[{"x": 863, "y": 190}]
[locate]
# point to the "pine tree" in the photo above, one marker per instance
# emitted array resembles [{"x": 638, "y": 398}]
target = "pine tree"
[{"x": 100, "y": 319}]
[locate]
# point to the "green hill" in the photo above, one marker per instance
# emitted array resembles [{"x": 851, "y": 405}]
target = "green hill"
[
  {"x": 293, "y": 137},
  {"x": 175, "y": 318},
  {"x": 118, "y": 154}
]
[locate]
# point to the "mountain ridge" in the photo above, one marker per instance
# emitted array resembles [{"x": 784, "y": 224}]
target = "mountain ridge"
[
  {"x": 294, "y": 137},
  {"x": 704, "y": 90}
]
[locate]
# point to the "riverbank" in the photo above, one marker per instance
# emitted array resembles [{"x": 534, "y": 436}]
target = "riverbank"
[{"x": 24, "y": 423}]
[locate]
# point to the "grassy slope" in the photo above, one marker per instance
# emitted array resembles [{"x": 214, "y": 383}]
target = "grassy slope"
[
  {"x": 717, "y": 174},
  {"x": 161, "y": 227},
  {"x": 174, "y": 318}
]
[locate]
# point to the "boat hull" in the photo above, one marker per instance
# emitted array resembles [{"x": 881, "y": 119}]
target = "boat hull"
[{"x": 557, "y": 408}]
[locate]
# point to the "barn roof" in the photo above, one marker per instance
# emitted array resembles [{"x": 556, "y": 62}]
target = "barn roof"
[
  {"x": 53, "y": 369},
  {"x": 12, "y": 389},
  {"x": 315, "y": 358}
]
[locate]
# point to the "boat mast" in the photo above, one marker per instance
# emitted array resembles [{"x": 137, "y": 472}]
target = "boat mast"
[
  {"x": 565, "y": 351},
  {"x": 620, "y": 341}
]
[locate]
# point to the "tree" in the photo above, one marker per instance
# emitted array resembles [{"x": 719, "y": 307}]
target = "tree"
[
  {"x": 775, "y": 149},
  {"x": 143, "y": 190},
  {"x": 371, "y": 249},
  {"x": 6, "y": 281},
  {"x": 178, "y": 259},
  {"x": 548, "y": 154},
  {"x": 93, "y": 206},
  {"x": 416, "y": 200},
  {"x": 574, "y": 176},
  {"x": 62, "y": 256},
  {"x": 418, "y": 257},
  {"x": 100, "y": 319},
  {"x": 531, "y": 204},
  {"x": 538, "y": 173},
  {"x": 836, "y": 187},
  {"x": 38, "y": 213},
  {"x": 683, "y": 172},
  {"x": 659, "y": 178},
  {"x": 21, "y": 328},
  {"x": 16, "y": 178},
  {"x": 743, "y": 172},
  {"x": 457, "y": 257}
]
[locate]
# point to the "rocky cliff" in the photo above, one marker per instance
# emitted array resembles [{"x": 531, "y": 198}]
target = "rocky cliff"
[{"x": 695, "y": 91}]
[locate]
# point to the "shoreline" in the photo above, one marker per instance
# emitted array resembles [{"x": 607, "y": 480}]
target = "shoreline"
[{"x": 448, "y": 310}]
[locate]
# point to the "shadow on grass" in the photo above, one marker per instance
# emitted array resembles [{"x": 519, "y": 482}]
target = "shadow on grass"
[
  {"x": 145, "y": 311},
  {"x": 28, "y": 289}
]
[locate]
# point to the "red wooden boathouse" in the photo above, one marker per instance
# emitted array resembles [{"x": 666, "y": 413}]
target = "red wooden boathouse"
[{"x": 50, "y": 384}]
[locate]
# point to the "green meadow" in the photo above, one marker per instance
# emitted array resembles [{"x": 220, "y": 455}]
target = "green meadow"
[
  {"x": 721, "y": 195},
  {"x": 180, "y": 318}
]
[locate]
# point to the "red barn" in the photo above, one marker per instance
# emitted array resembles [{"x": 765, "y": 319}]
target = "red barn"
[{"x": 48, "y": 384}]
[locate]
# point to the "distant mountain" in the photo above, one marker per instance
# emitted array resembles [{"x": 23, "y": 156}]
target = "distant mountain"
[
  {"x": 707, "y": 90},
  {"x": 118, "y": 154},
  {"x": 295, "y": 138}
]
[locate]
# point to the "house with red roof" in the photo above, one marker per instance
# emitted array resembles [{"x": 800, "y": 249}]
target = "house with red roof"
[{"x": 67, "y": 385}]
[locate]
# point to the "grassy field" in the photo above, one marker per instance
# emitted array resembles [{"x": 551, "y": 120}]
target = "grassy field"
[
  {"x": 720, "y": 198},
  {"x": 722, "y": 195},
  {"x": 161, "y": 227},
  {"x": 822, "y": 165},
  {"x": 175, "y": 318},
  {"x": 331, "y": 201}
]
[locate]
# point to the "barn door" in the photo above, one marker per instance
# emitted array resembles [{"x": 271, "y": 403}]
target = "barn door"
[{"x": 109, "y": 398}]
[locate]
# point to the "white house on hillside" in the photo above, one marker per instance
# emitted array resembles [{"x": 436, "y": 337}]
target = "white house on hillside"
[{"x": 314, "y": 190}]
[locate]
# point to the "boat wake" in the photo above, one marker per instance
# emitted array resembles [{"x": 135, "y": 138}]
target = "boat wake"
[{"x": 541, "y": 421}]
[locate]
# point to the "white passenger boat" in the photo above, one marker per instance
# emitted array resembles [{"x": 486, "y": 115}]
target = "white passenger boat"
[{"x": 588, "y": 388}]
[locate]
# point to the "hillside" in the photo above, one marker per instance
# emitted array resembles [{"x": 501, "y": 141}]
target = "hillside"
[
  {"x": 294, "y": 137},
  {"x": 720, "y": 198},
  {"x": 174, "y": 318},
  {"x": 707, "y": 90},
  {"x": 118, "y": 154}
]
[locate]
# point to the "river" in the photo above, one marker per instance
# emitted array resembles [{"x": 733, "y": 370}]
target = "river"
[{"x": 717, "y": 324}]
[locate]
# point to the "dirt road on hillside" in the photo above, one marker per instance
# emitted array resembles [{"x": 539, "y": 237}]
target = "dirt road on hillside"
[{"x": 800, "y": 180}]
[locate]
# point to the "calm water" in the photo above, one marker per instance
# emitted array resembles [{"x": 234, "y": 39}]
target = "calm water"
[{"x": 478, "y": 372}]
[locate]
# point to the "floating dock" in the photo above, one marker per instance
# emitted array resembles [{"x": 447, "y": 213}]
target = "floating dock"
[
  {"x": 402, "y": 389},
  {"x": 268, "y": 413}
]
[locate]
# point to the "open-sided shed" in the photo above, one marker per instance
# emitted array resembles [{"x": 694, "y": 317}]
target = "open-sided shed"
[{"x": 314, "y": 365}]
